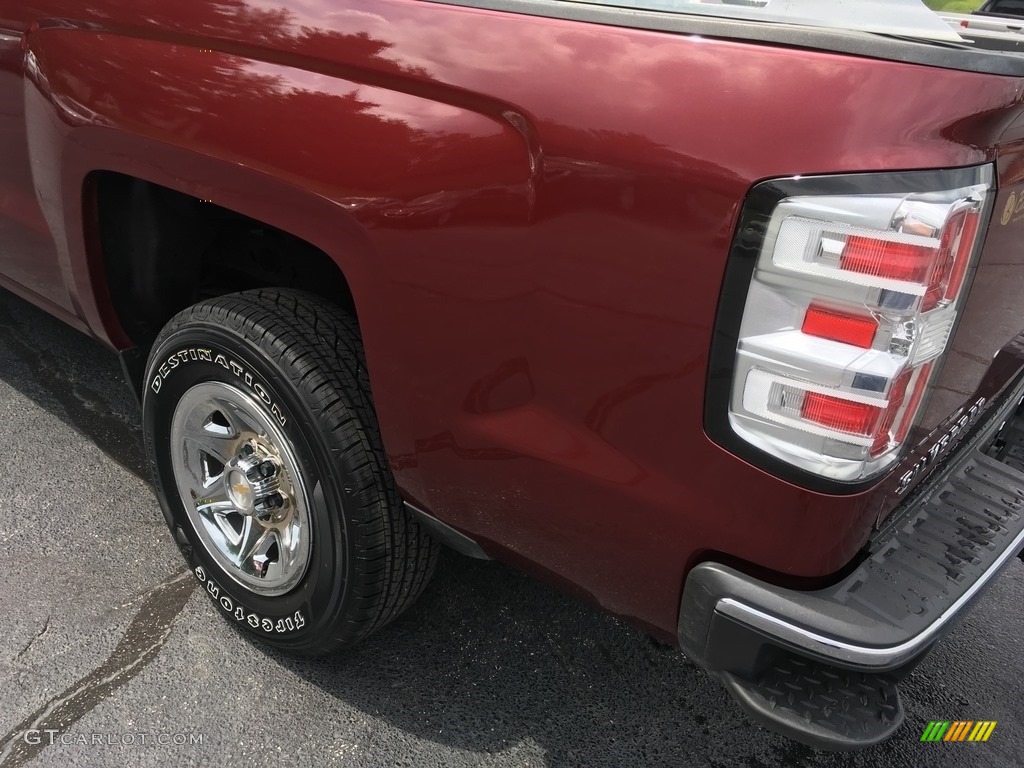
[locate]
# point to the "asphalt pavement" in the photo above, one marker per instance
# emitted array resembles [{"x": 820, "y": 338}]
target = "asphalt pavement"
[{"x": 109, "y": 656}]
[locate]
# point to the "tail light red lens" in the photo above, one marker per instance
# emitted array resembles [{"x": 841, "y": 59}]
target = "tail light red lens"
[
  {"x": 839, "y": 326},
  {"x": 957, "y": 242},
  {"x": 858, "y": 418},
  {"x": 838, "y": 414},
  {"x": 883, "y": 434},
  {"x": 852, "y": 298},
  {"x": 884, "y": 258},
  {"x": 919, "y": 388}
]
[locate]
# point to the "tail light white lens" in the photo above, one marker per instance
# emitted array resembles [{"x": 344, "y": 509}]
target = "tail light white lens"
[{"x": 854, "y": 290}]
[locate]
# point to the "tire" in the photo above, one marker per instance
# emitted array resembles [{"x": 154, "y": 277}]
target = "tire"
[{"x": 268, "y": 463}]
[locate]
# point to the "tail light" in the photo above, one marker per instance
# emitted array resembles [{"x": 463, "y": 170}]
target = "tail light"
[{"x": 840, "y": 300}]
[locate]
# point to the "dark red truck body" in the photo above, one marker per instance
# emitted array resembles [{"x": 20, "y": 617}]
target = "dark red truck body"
[{"x": 534, "y": 216}]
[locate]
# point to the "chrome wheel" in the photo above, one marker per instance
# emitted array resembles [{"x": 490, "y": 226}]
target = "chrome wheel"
[{"x": 241, "y": 487}]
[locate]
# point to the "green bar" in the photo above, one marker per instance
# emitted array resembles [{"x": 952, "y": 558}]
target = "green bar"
[{"x": 936, "y": 730}]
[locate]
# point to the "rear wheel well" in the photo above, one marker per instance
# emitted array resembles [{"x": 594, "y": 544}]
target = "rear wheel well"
[{"x": 163, "y": 250}]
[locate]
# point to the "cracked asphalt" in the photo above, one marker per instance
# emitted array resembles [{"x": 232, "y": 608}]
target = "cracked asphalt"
[{"x": 104, "y": 636}]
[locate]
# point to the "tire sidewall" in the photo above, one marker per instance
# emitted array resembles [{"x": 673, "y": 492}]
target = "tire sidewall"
[{"x": 199, "y": 353}]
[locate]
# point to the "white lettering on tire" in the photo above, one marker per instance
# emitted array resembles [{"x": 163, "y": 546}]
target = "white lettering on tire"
[
  {"x": 195, "y": 354},
  {"x": 282, "y": 626}
]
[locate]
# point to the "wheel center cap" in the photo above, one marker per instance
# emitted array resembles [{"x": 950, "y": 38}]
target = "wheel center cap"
[
  {"x": 252, "y": 482},
  {"x": 240, "y": 490}
]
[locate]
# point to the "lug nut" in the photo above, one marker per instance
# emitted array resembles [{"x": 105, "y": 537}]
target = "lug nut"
[
  {"x": 247, "y": 450},
  {"x": 265, "y": 470},
  {"x": 268, "y": 504}
]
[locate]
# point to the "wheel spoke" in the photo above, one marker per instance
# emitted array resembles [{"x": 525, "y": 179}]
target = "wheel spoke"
[
  {"x": 288, "y": 541},
  {"x": 220, "y": 447},
  {"x": 214, "y": 506},
  {"x": 253, "y": 541},
  {"x": 239, "y": 420},
  {"x": 210, "y": 431},
  {"x": 211, "y": 508},
  {"x": 192, "y": 465},
  {"x": 257, "y": 560}
]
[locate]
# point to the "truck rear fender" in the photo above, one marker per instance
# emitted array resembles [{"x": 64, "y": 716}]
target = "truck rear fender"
[{"x": 169, "y": 112}]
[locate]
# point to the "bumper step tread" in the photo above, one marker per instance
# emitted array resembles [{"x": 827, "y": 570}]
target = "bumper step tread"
[
  {"x": 827, "y": 707},
  {"x": 932, "y": 557}
]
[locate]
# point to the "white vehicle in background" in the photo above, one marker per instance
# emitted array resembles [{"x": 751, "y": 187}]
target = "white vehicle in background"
[
  {"x": 1002, "y": 8},
  {"x": 996, "y": 25}
]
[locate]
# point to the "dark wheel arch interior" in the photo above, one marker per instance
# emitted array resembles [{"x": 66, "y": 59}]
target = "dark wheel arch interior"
[{"x": 162, "y": 251}]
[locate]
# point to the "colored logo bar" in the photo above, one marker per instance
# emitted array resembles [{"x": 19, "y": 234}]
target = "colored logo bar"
[{"x": 958, "y": 730}]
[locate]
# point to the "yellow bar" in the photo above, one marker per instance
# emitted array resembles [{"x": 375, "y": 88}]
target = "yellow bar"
[
  {"x": 988, "y": 731},
  {"x": 980, "y": 726}
]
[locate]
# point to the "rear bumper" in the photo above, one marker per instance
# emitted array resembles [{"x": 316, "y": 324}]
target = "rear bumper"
[{"x": 823, "y": 666}]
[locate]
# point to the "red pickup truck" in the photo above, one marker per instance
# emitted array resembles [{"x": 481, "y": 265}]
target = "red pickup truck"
[{"x": 704, "y": 312}]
